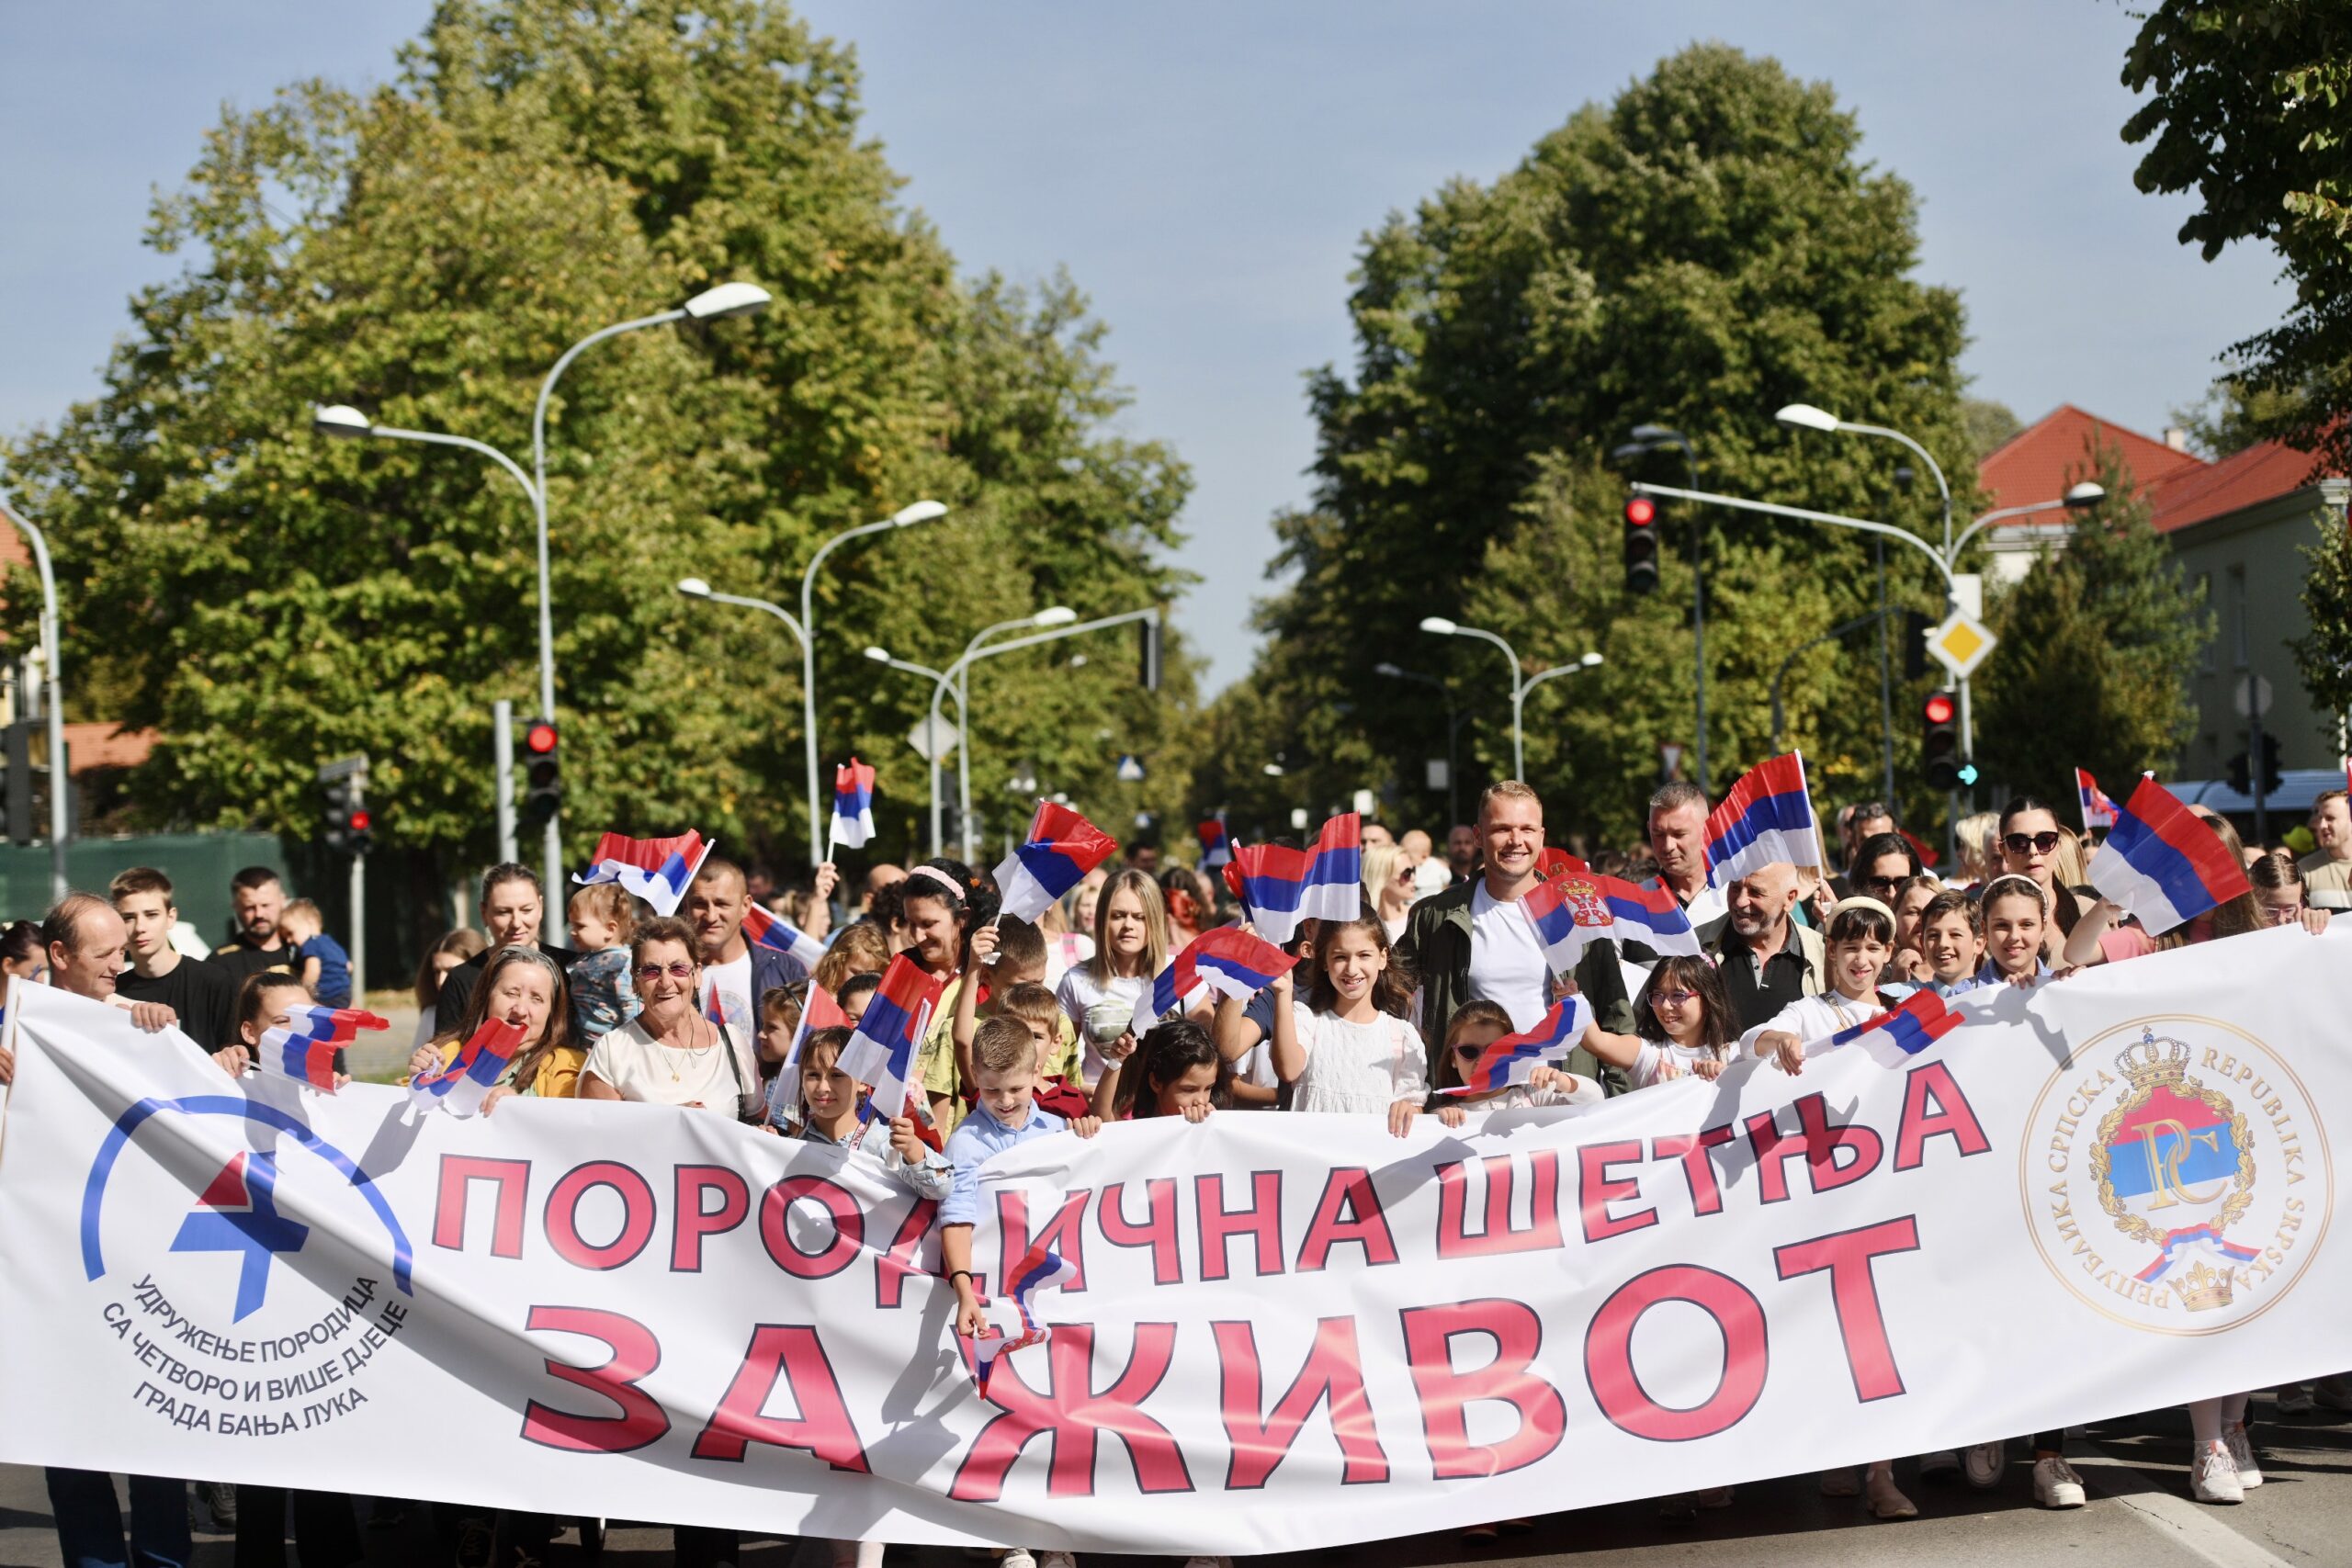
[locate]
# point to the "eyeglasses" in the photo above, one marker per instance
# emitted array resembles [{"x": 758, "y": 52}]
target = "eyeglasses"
[
  {"x": 675, "y": 970},
  {"x": 2282, "y": 914},
  {"x": 2019, "y": 843},
  {"x": 1674, "y": 998}
]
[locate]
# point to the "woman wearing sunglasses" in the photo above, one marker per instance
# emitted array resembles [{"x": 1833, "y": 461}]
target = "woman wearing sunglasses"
[
  {"x": 670, "y": 1053},
  {"x": 2032, "y": 844}
]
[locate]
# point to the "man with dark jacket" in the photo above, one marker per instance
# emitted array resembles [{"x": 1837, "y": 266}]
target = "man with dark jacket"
[{"x": 1473, "y": 942}]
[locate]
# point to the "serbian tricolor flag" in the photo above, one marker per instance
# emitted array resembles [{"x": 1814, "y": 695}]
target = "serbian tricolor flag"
[
  {"x": 2163, "y": 864},
  {"x": 1282, "y": 887},
  {"x": 881, "y": 1052},
  {"x": 656, "y": 870},
  {"x": 1919, "y": 1023},
  {"x": 820, "y": 1011},
  {"x": 1013, "y": 1321},
  {"x": 1767, "y": 818},
  {"x": 773, "y": 931},
  {"x": 853, "y": 805},
  {"x": 1216, "y": 843},
  {"x": 1062, "y": 846},
  {"x": 2098, "y": 810},
  {"x": 1573, "y": 911},
  {"x": 1229, "y": 961},
  {"x": 1514, "y": 1058},
  {"x": 307, "y": 1040},
  {"x": 459, "y": 1087}
]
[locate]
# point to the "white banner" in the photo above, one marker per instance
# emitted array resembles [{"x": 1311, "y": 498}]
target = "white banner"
[{"x": 2106, "y": 1195}]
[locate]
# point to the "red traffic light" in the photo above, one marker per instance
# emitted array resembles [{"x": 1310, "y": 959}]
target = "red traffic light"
[
  {"x": 539, "y": 739},
  {"x": 361, "y": 821},
  {"x": 1940, "y": 709},
  {"x": 1641, "y": 511}
]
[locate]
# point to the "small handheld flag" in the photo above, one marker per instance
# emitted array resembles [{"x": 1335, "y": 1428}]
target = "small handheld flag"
[
  {"x": 1553, "y": 862},
  {"x": 2098, "y": 810},
  {"x": 1228, "y": 960},
  {"x": 1768, "y": 817},
  {"x": 853, "y": 805},
  {"x": 306, "y": 1041},
  {"x": 881, "y": 1052},
  {"x": 1062, "y": 846},
  {"x": 461, "y": 1088},
  {"x": 1919, "y": 1023},
  {"x": 1282, "y": 887},
  {"x": 1514, "y": 1058},
  {"x": 773, "y": 931},
  {"x": 820, "y": 1011},
  {"x": 1216, "y": 843},
  {"x": 2163, "y": 864},
  {"x": 1012, "y": 1323},
  {"x": 1571, "y": 912},
  {"x": 656, "y": 870}
]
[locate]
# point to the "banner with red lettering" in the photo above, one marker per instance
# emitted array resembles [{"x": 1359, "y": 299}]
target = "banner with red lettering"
[{"x": 2106, "y": 1194}]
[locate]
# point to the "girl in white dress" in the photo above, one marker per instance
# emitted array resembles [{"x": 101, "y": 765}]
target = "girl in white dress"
[
  {"x": 1130, "y": 949},
  {"x": 1862, "y": 939},
  {"x": 1349, "y": 1046},
  {"x": 1682, "y": 1026}
]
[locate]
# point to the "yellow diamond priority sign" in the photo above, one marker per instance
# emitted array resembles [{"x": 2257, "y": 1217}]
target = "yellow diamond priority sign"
[{"x": 1961, "y": 644}]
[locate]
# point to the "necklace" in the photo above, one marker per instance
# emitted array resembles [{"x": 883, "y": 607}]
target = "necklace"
[{"x": 671, "y": 1063}]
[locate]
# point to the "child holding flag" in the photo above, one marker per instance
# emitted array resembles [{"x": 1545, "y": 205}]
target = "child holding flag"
[
  {"x": 1349, "y": 1046},
  {"x": 1478, "y": 1025},
  {"x": 1682, "y": 1024},
  {"x": 1130, "y": 949}
]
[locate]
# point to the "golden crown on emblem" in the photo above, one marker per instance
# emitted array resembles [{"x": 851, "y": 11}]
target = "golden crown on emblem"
[
  {"x": 2201, "y": 1287},
  {"x": 2151, "y": 1061}
]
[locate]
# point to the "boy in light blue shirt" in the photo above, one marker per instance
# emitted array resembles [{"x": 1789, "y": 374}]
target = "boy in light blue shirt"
[{"x": 1004, "y": 1063}]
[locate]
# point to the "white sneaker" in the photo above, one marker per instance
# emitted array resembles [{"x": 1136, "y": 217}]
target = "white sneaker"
[
  {"x": 1886, "y": 1500},
  {"x": 1056, "y": 1560},
  {"x": 1942, "y": 1463},
  {"x": 2055, "y": 1485},
  {"x": 2240, "y": 1449},
  {"x": 1981, "y": 1464},
  {"x": 1017, "y": 1558},
  {"x": 1840, "y": 1484},
  {"x": 2214, "y": 1475}
]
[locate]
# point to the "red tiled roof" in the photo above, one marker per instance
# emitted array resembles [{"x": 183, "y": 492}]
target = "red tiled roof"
[
  {"x": 2241, "y": 479},
  {"x": 104, "y": 745},
  {"x": 2038, "y": 462}
]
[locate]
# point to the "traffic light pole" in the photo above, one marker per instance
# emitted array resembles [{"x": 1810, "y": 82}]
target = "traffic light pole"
[
  {"x": 61, "y": 778},
  {"x": 2257, "y": 766},
  {"x": 502, "y": 762}
]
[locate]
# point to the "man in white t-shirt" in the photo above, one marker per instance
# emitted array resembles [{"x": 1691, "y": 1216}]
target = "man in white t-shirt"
[
  {"x": 740, "y": 973},
  {"x": 1473, "y": 941}
]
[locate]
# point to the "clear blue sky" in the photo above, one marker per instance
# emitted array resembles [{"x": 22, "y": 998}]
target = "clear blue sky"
[{"x": 1205, "y": 170}]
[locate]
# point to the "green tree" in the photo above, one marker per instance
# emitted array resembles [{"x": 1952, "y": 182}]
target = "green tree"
[
  {"x": 2250, "y": 110},
  {"x": 2324, "y": 652},
  {"x": 1706, "y": 248},
  {"x": 1989, "y": 424},
  {"x": 2098, "y": 647},
  {"x": 265, "y": 598},
  {"x": 2236, "y": 414}
]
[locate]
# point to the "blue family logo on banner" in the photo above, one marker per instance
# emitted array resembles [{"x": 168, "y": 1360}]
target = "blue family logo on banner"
[
  {"x": 200, "y": 1319},
  {"x": 2178, "y": 1179}
]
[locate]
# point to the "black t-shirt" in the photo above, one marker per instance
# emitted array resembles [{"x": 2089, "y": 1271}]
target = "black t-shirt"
[
  {"x": 457, "y": 985},
  {"x": 236, "y": 960},
  {"x": 202, "y": 994}
]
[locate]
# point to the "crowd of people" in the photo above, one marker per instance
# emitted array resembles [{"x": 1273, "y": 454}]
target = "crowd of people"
[{"x": 1033, "y": 1034}]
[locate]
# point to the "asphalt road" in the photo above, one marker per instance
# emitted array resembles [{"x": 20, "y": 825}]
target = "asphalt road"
[{"x": 2138, "y": 1514}]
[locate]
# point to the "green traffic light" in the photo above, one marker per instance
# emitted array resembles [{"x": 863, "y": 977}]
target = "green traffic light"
[{"x": 1968, "y": 772}]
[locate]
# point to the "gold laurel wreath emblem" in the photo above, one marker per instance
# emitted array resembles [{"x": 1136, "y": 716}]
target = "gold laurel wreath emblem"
[{"x": 2241, "y": 1133}]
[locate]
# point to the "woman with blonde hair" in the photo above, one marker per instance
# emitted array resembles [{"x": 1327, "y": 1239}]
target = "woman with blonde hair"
[
  {"x": 1130, "y": 949},
  {"x": 1388, "y": 886}
]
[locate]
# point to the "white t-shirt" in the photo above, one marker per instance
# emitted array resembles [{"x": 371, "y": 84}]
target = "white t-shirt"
[
  {"x": 1079, "y": 991},
  {"x": 1358, "y": 1068},
  {"x": 1650, "y": 1063},
  {"x": 732, "y": 980},
  {"x": 1814, "y": 1018},
  {"x": 1507, "y": 963},
  {"x": 642, "y": 1068}
]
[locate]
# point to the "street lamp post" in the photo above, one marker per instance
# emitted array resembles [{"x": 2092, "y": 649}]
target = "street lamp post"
[
  {"x": 1453, "y": 733},
  {"x": 1520, "y": 686},
  {"x": 711, "y": 305},
  {"x": 1647, "y": 438},
  {"x": 1053, "y": 616},
  {"x": 59, "y": 775},
  {"x": 930, "y": 728},
  {"x": 905, "y": 517}
]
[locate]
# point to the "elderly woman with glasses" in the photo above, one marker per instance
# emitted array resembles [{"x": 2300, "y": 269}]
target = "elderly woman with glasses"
[{"x": 670, "y": 1053}]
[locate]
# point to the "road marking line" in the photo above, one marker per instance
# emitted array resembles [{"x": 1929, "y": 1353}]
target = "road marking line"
[{"x": 2193, "y": 1526}]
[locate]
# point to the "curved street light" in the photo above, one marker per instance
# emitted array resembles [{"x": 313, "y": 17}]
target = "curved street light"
[{"x": 1440, "y": 626}]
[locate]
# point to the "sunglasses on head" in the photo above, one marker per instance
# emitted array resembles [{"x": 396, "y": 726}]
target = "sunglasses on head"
[{"x": 2019, "y": 843}]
